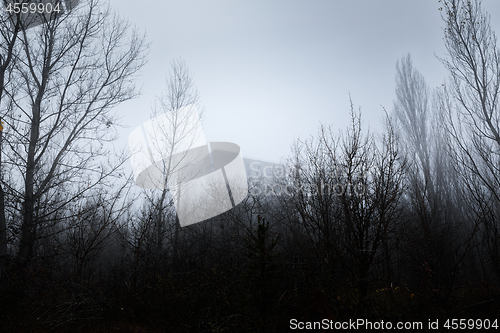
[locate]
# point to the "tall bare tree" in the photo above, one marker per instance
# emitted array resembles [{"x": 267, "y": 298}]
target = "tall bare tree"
[
  {"x": 432, "y": 185},
  {"x": 68, "y": 75},
  {"x": 470, "y": 105},
  {"x": 10, "y": 30},
  {"x": 12, "y": 24},
  {"x": 174, "y": 131}
]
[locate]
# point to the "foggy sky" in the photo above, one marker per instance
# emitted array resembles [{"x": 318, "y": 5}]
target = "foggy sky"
[{"x": 270, "y": 72}]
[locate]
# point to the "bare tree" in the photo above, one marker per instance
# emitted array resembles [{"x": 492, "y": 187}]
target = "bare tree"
[
  {"x": 70, "y": 73},
  {"x": 469, "y": 104},
  {"x": 10, "y": 32},
  {"x": 174, "y": 134},
  {"x": 411, "y": 109},
  {"x": 434, "y": 218},
  {"x": 347, "y": 193}
]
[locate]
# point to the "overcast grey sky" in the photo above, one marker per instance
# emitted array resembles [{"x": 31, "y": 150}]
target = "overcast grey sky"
[{"x": 271, "y": 71}]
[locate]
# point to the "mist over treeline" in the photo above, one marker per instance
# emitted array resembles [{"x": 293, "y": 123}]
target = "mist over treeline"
[{"x": 403, "y": 225}]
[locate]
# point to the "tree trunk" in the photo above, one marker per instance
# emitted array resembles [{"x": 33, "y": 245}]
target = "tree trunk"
[
  {"x": 28, "y": 229},
  {"x": 3, "y": 235},
  {"x": 3, "y": 223}
]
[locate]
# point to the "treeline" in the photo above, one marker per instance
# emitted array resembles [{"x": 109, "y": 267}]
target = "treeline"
[{"x": 401, "y": 226}]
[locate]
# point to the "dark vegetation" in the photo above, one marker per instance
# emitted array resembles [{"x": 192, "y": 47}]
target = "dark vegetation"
[{"x": 399, "y": 227}]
